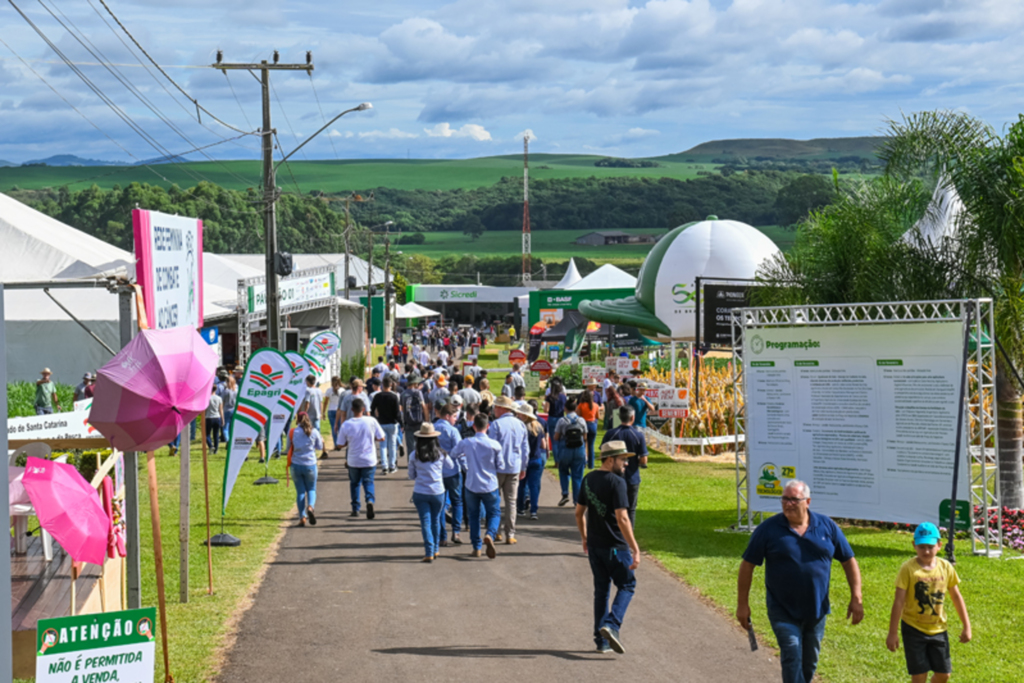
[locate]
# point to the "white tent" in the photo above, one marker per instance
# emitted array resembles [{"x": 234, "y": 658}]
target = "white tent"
[
  {"x": 357, "y": 267},
  {"x": 606, "y": 277},
  {"x": 940, "y": 220},
  {"x": 414, "y": 310},
  {"x": 571, "y": 277}
]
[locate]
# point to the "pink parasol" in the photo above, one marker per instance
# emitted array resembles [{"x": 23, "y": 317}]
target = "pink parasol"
[
  {"x": 152, "y": 388},
  {"x": 68, "y": 508}
]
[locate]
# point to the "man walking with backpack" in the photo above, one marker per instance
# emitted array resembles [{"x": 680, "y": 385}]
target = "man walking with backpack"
[
  {"x": 414, "y": 412},
  {"x": 571, "y": 457}
]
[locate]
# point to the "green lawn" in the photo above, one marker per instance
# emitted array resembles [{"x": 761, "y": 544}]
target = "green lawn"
[
  {"x": 682, "y": 507},
  {"x": 255, "y": 513},
  {"x": 344, "y": 175}
]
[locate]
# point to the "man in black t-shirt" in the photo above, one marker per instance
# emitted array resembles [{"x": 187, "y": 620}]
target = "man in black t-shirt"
[
  {"x": 602, "y": 515},
  {"x": 636, "y": 443},
  {"x": 385, "y": 408}
]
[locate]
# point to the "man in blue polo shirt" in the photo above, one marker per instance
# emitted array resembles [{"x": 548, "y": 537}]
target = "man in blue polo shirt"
[
  {"x": 798, "y": 547},
  {"x": 636, "y": 444}
]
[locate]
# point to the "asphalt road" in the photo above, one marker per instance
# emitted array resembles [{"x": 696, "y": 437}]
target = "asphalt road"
[{"x": 349, "y": 600}]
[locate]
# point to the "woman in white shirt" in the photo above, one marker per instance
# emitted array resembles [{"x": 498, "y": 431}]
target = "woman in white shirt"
[{"x": 333, "y": 400}]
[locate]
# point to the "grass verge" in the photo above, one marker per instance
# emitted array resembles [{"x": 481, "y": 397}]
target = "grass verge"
[{"x": 199, "y": 629}]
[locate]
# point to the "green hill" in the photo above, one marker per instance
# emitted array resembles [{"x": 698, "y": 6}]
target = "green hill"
[{"x": 781, "y": 148}]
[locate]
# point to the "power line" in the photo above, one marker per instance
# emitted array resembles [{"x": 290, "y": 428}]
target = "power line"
[
  {"x": 240, "y": 107},
  {"x": 287, "y": 165},
  {"x": 323, "y": 116},
  {"x": 173, "y": 82},
  {"x": 286, "y": 119}
]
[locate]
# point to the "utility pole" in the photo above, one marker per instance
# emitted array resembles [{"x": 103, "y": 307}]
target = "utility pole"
[
  {"x": 369, "y": 300},
  {"x": 348, "y": 233},
  {"x": 270, "y": 191},
  {"x": 387, "y": 285}
]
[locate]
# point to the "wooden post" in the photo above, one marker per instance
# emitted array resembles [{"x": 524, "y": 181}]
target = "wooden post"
[
  {"x": 184, "y": 500},
  {"x": 74, "y": 596},
  {"x": 206, "y": 491},
  {"x": 158, "y": 560}
]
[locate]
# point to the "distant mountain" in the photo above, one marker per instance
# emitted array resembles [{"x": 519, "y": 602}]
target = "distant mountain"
[
  {"x": 70, "y": 160},
  {"x": 6, "y": 163},
  {"x": 781, "y": 148}
]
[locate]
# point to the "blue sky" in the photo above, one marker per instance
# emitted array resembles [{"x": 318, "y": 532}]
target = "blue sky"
[{"x": 467, "y": 78}]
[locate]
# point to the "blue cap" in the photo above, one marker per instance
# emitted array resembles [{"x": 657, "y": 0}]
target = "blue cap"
[{"x": 926, "y": 533}]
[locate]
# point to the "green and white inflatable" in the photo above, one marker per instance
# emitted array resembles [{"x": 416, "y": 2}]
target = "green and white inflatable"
[{"x": 665, "y": 302}]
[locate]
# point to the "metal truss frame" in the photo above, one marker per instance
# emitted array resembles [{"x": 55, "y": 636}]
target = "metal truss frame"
[
  {"x": 975, "y": 315},
  {"x": 247, "y": 321}
]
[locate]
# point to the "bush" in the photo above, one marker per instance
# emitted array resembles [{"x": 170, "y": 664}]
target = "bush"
[{"x": 413, "y": 238}]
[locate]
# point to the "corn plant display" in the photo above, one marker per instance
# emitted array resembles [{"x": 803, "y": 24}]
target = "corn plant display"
[
  {"x": 712, "y": 415},
  {"x": 21, "y": 398}
]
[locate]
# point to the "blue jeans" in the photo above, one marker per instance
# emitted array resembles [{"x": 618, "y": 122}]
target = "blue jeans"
[
  {"x": 389, "y": 448},
  {"x": 570, "y": 466},
  {"x": 799, "y": 643},
  {"x": 332, "y": 416},
  {"x": 491, "y": 502},
  {"x": 228, "y": 414},
  {"x": 611, "y": 566},
  {"x": 431, "y": 510},
  {"x": 534, "y": 473},
  {"x": 453, "y": 487},
  {"x": 305, "y": 487},
  {"x": 40, "y": 410},
  {"x": 591, "y": 437},
  {"x": 213, "y": 432},
  {"x": 357, "y": 476}
]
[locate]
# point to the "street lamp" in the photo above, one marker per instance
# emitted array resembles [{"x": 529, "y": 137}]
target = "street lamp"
[{"x": 270, "y": 220}]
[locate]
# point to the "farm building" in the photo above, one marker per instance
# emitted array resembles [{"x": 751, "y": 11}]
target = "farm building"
[{"x": 603, "y": 237}]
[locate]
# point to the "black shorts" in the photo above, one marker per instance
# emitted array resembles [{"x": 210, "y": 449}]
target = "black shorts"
[{"x": 925, "y": 652}]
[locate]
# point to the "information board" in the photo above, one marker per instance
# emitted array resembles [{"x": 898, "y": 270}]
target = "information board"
[
  {"x": 718, "y": 301},
  {"x": 532, "y": 381},
  {"x": 593, "y": 373},
  {"x": 169, "y": 250},
  {"x": 115, "y": 646},
  {"x": 866, "y": 415},
  {"x": 298, "y": 289}
]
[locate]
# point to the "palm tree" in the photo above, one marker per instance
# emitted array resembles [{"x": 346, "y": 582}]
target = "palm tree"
[{"x": 863, "y": 247}]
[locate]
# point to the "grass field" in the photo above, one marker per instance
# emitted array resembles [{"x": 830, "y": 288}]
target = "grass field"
[
  {"x": 340, "y": 176},
  {"x": 558, "y": 245}
]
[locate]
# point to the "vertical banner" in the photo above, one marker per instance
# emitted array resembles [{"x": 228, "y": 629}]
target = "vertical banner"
[
  {"x": 267, "y": 375},
  {"x": 290, "y": 399},
  {"x": 319, "y": 350},
  {"x": 169, "y": 269}
]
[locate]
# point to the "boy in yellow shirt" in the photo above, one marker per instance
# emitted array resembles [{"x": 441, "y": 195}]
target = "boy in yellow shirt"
[{"x": 922, "y": 619}]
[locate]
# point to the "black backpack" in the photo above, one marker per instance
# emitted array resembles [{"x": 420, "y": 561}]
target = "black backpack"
[
  {"x": 575, "y": 435},
  {"x": 412, "y": 406}
]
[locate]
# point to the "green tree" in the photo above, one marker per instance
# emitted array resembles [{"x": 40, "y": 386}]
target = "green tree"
[
  {"x": 864, "y": 247},
  {"x": 419, "y": 269},
  {"x": 800, "y": 196}
]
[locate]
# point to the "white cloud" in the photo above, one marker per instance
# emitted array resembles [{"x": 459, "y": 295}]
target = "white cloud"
[
  {"x": 469, "y": 130},
  {"x": 521, "y": 134},
  {"x": 390, "y": 134}
]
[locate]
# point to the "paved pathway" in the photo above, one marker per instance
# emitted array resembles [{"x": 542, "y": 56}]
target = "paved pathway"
[{"x": 349, "y": 600}]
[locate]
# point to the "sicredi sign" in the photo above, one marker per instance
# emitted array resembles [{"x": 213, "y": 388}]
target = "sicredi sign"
[
  {"x": 465, "y": 294},
  {"x": 169, "y": 252}
]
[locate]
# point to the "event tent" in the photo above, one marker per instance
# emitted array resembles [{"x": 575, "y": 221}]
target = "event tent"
[
  {"x": 571, "y": 277},
  {"x": 414, "y": 310},
  {"x": 605, "y": 277},
  {"x": 357, "y": 267},
  {"x": 940, "y": 219}
]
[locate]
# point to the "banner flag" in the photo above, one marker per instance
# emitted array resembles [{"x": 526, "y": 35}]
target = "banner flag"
[
  {"x": 290, "y": 399},
  {"x": 267, "y": 375},
  {"x": 319, "y": 350}
]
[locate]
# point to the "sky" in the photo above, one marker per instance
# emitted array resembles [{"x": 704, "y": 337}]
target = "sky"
[{"x": 464, "y": 79}]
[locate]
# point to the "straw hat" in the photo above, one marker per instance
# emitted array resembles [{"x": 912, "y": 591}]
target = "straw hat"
[
  {"x": 526, "y": 410},
  {"x": 614, "y": 449},
  {"x": 506, "y": 403},
  {"x": 427, "y": 431},
  {"x": 46, "y": 371}
]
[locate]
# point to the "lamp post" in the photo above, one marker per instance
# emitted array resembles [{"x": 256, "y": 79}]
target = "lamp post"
[
  {"x": 271, "y": 194},
  {"x": 369, "y": 287}
]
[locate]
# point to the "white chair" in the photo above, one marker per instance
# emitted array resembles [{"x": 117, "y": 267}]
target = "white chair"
[{"x": 21, "y": 510}]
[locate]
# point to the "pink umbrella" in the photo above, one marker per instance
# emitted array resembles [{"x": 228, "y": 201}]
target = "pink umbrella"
[
  {"x": 69, "y": 508},
  {"x": 152, "y": 388}
]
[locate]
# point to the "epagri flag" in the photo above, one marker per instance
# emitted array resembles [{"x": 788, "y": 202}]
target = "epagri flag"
[
  {"x": 319, "y": 350},
  {"x": 266, "y": 377},
  {"x": 290, "y": 399}
]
